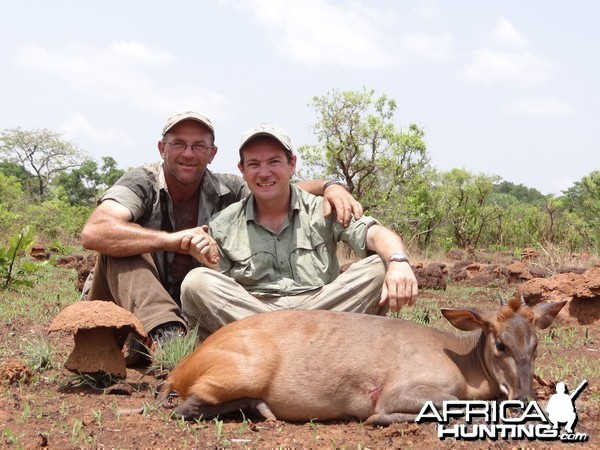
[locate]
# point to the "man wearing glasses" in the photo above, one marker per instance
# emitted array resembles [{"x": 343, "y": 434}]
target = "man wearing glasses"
[{"x": 150, "y": 227}]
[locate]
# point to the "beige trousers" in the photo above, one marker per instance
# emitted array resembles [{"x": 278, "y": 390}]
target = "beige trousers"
[
  {"x": 210, "y": 300},
  {"x": 133, "y": 283}
]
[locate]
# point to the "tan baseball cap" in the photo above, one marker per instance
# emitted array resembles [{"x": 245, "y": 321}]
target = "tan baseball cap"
[
  {"x": 266, "y": 129},
  {"x": 188, "y": 115}
]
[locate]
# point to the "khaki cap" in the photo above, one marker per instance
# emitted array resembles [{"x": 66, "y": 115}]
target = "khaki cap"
[
  {"x": 188, "y": 115},
  {"x": 266, "y": 129}
]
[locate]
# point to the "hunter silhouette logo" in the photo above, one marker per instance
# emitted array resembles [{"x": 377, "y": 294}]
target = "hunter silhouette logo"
[
  {"x": 561, "y": 406},
  {"x": 509, "y": 419}
]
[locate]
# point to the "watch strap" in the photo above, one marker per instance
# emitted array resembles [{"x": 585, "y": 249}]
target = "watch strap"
[{"x": 398, "y": 257}]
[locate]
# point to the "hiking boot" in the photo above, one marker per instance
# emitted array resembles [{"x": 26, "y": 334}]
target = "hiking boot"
[
  {"x": 165, "y": 332},
  {"x": 136, "y": 351}
]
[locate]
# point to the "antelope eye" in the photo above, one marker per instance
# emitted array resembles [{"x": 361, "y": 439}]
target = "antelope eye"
[{"x": 500, "y": 346}]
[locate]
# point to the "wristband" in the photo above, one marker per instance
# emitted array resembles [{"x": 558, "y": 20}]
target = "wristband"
[{"x": 330, "y": 182}]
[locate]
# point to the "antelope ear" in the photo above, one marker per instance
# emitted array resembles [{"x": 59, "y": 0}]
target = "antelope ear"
[
  {"x": 544, "y": 313},
  {"x": 465, "y": 319}
]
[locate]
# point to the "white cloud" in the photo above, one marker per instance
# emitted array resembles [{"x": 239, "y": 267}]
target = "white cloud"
[
  {"x": 429, "y": 46},
  {"x": 427, "y": 9},
  {"x": 507, "y": 60},
  {"x": 521, "y": 67},
  {"x": 318, "y": 32},
  {"x": 540, "y": 106},
  {"x": 120, "y": 73},
  {"x": 506, "y": 34},
  {"x": 79, "y": 127}
]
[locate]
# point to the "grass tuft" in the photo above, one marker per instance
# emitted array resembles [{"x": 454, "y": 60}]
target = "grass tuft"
[{"x": 169, "y": 353}]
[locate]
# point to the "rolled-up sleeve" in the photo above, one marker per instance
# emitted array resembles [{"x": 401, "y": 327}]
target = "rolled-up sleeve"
[
  {"x": 355, "y": 235},
  {"x": 126, "y": 197}
]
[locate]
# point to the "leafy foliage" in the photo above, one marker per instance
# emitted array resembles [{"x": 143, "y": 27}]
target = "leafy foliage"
[
  {"x": 520, "y": 192},
  {"x": 14, "y": 271},
  {"x": 53, "y": 220},
  {"x": 583, "y": 202},
  {"x": 83, "y": 185},
  {"x": 56, "y": 220}
]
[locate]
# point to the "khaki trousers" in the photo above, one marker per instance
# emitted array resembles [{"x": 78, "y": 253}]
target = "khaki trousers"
[
  {"x": 133, "y": 283},
  {"x": 210, "y": 299}
]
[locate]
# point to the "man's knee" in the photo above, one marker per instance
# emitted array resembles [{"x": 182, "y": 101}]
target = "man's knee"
[{"x": 197, "y": 279}]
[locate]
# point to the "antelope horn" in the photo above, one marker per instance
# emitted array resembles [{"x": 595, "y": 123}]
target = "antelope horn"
[{"x": 523, "y": 301}]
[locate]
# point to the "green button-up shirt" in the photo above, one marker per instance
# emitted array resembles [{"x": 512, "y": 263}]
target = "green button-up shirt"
[{"x": 300, "y": 258}]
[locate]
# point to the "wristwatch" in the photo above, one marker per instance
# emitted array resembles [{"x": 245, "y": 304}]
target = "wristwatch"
[
  {"x": 398, "y": 257},
  {"x": 330, "y": 182}
]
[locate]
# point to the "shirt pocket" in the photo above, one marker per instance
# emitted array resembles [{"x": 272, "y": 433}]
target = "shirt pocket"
[
  {"x": 253, "y": 264},
  {"x": 310, "y": 260}
]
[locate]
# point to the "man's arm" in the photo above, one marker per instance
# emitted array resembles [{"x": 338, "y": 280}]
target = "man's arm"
[
  {"x": 110, "y": 230},
  {"x": 400, "y": 284},
  {"x": 337, "y": 199}
]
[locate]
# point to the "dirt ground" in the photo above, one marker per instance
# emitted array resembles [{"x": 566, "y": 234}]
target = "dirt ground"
[{"x": 49, "y": 411}]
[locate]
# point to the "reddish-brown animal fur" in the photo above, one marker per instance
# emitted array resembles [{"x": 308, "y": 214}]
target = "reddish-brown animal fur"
[{"x": 302, "y": 365}]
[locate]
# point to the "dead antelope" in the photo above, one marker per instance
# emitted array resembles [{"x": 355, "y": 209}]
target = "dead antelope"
[{"x": 303, "y": 365}]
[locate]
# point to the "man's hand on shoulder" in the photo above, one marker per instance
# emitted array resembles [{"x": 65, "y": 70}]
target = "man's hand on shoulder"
[{"x": 337, "y": 198}]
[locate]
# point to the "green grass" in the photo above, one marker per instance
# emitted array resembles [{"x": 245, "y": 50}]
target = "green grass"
[
  {"x": 54, "y": 289},
  {"x": 36, "y": 306},
  {"x": 39, "y": 353},
  {"x": 168, "y": 354}
]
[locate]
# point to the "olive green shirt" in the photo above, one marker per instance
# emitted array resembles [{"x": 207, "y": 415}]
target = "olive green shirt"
[{"x": 300, "y": 258}]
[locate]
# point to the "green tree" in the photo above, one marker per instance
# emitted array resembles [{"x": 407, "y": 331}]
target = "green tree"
[
  {"x": 359, "y": 142},
  {"x": 41, "y": 153},
  {"x": 83, "y": 185},
  {"x": 422, "y": 211},
  {"x": 583, "y": 201},
  {"x": 520, "y": 192},
  {"x": 466, "y": 205},
  {"x": 25, "y": 179},
  {"x": 110, "y": 172},
  {"x": 10, "y": 191}
]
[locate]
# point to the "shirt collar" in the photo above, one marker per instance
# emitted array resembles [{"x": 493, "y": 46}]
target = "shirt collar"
[{"x": 251, "y": 211}]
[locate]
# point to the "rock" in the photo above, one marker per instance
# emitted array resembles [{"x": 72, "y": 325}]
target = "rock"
[
  {"x": 518, "y": 272},
  {"x": 433, "y": 276},
  {"x": 68, "y": 262},
  {"x": 581, "y": 290},
  {"x": 478, "y": 274},
  {"x": 14, "y": 372},
  {"x": 84, "y": 267},
  {"x": 39, "y": 252}
]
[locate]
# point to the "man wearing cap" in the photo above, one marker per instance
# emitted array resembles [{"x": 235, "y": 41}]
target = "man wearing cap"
[
  {"x": 277, "y": 251},
  {"x": 150, "y": 227}
]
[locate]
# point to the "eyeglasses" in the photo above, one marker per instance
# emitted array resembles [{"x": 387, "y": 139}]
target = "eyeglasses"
[{"x": 182, "y": 146}]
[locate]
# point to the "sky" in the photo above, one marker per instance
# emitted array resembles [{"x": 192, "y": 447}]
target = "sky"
[{"x": 508, "y": 88}]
